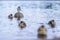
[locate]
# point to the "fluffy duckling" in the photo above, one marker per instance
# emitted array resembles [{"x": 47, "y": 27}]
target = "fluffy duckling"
[
  {"x": 22, "y": 24},
  {"x": 52, "y": 23},
  {"x": 42, "y": 32},
  {"x": 10, "y": 16}
]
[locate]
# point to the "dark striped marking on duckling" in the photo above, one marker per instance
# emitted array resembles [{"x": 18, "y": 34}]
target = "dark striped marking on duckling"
[
  {"x": 42, "y": 32},
  {"x": 22, "y": 24}
]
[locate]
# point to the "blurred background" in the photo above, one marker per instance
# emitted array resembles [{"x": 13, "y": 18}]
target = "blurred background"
[{"x": 35, "y": 12}]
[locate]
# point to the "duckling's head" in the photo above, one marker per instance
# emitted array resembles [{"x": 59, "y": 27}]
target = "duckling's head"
[
  {"x": 11, "y": 14},
  {"x": 42, "y": 26},
  {"x": 52, "y": 20},
  {"x": 21, "y": 21}
]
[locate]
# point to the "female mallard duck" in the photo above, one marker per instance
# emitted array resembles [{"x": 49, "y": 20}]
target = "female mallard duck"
[
  {"x": 42, "y": 32},
  {"x": 52, "y": 23},
  {"x": 22, "y": 24},
  {"x": 18, "y": 15},
  {"x": 10, "y": 16}
]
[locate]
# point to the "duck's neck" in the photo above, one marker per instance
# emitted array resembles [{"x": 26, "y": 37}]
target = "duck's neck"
[{"x": 18, "y": 11}]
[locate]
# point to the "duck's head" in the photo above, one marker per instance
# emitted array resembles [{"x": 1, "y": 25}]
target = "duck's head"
[{"x": 18, "y": 9}]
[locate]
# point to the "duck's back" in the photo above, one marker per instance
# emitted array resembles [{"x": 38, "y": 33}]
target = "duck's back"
[{"x": 18, "y": 15}]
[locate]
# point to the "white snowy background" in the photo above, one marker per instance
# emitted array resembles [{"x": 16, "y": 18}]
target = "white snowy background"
[{"x": 34, "y": 13}]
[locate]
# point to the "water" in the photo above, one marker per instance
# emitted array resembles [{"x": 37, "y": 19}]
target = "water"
[{"x": 34, "y": 13}]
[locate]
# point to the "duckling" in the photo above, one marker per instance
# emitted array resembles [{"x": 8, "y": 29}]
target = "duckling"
[
  {"x": 42, "y": 32},
  {"x": 18, "y": 15},
  {"x": 22, "y": 24},
  {"x": 52, "y": 23},
  {"x": 10, "y": 16}
]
